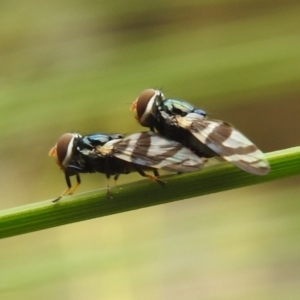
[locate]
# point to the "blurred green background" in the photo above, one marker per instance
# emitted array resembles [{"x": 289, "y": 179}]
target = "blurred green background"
[{"x": 76, "y": 66}]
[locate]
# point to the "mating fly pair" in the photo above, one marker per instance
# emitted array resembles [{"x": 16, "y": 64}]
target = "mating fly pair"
[
  {"x": 182, "y": 122},
  {"x": 185, "y": 136},
  {"x": 114, "y": 154}
]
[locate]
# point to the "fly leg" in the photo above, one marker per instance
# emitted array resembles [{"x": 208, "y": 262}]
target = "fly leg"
[
  {"x": 155, "y": 172},
  {"x": 154, "y": 178},
  {"x": 108, "y": 193},
  {"x": 116, "y": 177},
  {"x": 76, "y": 185},
  {"x": 107, "y": 173},
  {"x": 70, "y": 189}
]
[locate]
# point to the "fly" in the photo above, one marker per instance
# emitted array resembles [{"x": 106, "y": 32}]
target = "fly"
[
  {"x": 181, "y": 121},
  {"x": 115, "y": 154}
]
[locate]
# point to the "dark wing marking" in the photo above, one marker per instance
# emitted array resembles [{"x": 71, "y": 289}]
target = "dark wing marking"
[
  {"x": 152, "y": 150},
  {"x": 226, "y": 141}
]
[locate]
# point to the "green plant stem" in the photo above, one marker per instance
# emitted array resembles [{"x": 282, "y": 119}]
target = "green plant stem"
[{"x": 144, "y": 193}]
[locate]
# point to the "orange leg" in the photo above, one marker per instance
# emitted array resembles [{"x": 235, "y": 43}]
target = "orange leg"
[
  {"x": 70, "y": 190},
  {"x": 154, "y": 178}
]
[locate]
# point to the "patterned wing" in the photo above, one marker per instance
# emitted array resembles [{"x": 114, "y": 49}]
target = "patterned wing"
[
  {"x": 152, "y": 150},
  {"x": 226, "y": 141}
]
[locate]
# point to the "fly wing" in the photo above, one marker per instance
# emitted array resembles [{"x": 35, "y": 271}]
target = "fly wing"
[
  {"x": 152, "y": 150},
  {"x": 226, "y": 141}
]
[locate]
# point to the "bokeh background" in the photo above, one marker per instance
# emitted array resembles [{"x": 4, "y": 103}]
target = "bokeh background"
[{"x": 76, "y": 66}]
